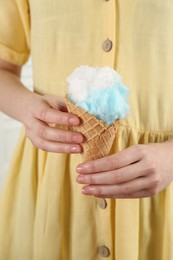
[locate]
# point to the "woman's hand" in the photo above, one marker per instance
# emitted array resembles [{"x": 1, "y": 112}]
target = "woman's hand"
[
  {"x": 41, "y": 115},
  {"x": 138, "y": 171},
  {"x": 41, "y": 119}
]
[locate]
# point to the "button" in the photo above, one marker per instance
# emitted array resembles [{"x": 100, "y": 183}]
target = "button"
[
  {"x": 107, "y": 45},
  {"x": 104, "y": 251},
  {"x": 102, "y": 203}
]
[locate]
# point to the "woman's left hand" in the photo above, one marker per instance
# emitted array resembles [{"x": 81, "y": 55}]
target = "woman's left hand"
[{"x": 138, "y": 171}]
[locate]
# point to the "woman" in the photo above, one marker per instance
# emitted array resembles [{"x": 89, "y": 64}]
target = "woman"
[{"x": 43, "y": 213}]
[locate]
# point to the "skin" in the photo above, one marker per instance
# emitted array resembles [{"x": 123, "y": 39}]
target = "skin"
[
  {"x": 136, "y": 172},
  {"x": 39, "y": 114}
]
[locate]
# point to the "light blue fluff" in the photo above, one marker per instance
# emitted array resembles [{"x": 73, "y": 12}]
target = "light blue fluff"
[
  {"x": 103, "y": 92},
  {"x": 107, "y": 104}
]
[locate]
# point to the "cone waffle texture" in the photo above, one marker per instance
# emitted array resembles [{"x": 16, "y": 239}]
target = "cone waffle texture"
[{"x": 99, "y": 136}]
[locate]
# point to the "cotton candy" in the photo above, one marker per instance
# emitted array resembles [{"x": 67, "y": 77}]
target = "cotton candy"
[{"x": 99, "y": 91}]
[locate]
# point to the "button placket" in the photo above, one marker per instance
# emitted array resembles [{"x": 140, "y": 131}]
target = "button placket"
[
  {"x": 107, "y": 46},
  {"x": 103, "y": 211}
]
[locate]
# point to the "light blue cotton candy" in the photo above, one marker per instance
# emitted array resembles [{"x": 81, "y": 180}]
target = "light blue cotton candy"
[
  {"x": 103, "y": 95},
  {"x": 107, "y": 104}
]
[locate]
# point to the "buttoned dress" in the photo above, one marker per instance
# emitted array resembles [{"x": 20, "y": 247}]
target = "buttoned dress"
[{"x": 43, "y": 215}]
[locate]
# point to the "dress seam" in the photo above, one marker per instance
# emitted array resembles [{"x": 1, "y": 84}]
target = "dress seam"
[{"x": 146, "y": 131}]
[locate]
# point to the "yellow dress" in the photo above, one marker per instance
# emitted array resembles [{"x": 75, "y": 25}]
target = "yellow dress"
[{"x": 43, "y": 215}]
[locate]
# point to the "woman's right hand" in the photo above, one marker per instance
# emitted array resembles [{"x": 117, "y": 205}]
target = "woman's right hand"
[{"x": 42, "y": 116}]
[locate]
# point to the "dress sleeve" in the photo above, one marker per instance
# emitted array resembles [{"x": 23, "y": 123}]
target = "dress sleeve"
[{"x": 14, "y": 31}]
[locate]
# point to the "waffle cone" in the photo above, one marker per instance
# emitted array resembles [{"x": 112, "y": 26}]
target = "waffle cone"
[{"x": 99, "y": 136}]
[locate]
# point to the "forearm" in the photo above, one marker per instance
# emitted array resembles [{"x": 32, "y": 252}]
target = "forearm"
[{"x": 14, "y": 97}]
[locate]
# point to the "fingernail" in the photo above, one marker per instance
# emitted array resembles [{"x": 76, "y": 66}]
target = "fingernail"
[
  {"x": 73, "y": 121},
  {"x": 83, "y": 168},
  {"x": 80, "y": 179},
  {"x": 80, "y": 168},
  {"x": 85, "y": 190},
  {"x": 75, "y": 149}
]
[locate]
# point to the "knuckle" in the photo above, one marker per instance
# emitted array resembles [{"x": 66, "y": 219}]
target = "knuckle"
[
  {"x": 150, "y": 167},
  {"x": 155, "y": 180},
  {"x": 43, "y": 114},
  {"x": 113, "y": 161},
  {"x": 153, "y": 166},
  {"x": 141, "y": 149},
  {"x": 152, "y": 192},
  {"x": 39, "y": 144},
  {"x": 90, "y": 179},
  {"x": 42, "y": 132},
  {"x": 124, "y": 189},
  {"x": 42, "y": 146},
  {"x": 63, "y": 137},
  {"x": 65, "y": 149},
  {"x": 154, "y": 186},
  {"x": 92, "y": 167},
  {"x": 61, "y": 118},
  {"x": 98, "y": 191},
  {"x": 116, "y": 177}
]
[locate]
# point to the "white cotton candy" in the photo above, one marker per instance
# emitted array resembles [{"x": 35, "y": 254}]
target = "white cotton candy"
[
  {"x": 74, "y": 90},
  {"x": 99, "y": 91},
  {"x": 105, "y": 78},
  {"x": 79, "y": 83}
]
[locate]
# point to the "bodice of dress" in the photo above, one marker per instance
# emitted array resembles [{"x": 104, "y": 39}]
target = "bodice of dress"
[{"x": 71, "y": 33}]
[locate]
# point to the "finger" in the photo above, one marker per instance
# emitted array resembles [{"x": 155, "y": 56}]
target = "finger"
[
  {"x": 112, "y": 162},
  {"x": 121, "y": 175},
  {"x": 121, "y": 190},
  {"x": 138, "y": 194},
  {"x": 55, "y": 147},
  {"x": 54, "y": 134},
  {"x": 51, "y": 115}
]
